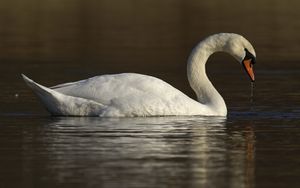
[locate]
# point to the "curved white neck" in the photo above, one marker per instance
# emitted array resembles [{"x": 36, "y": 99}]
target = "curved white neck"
[{"x": 205, "y": 91}]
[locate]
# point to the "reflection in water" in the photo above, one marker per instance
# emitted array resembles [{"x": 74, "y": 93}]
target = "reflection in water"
[
  {"x": 141, "y": 152},
  {"x": 250, "y": 156}
]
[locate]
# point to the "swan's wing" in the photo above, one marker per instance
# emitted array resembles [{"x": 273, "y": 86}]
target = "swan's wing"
[
  {"x": 66, "y": 85},
  {"x": 133, "y": 95},
  {"x": 105, "y": 88},
  {"x": 60, "y": 104}
]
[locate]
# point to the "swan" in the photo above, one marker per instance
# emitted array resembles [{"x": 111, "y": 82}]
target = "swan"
[{"x": 132, "y": 94}]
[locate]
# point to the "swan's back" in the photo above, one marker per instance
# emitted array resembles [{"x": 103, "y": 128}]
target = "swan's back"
[
  {"x": 131, "y": 94},
  {"x": 105, "y": 88}
]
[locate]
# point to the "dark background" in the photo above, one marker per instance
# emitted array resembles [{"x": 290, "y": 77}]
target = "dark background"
[{"x": 56, "y": 41}]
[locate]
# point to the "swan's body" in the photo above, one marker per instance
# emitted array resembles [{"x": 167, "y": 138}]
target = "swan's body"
[{"x": 131, "y": 94}]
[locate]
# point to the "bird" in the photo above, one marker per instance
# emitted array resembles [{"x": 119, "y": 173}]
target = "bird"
[{"x": 138, "y": 95}]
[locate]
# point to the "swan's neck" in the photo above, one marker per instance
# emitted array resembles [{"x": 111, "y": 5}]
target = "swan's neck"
[{"x": 205, "y": 91}]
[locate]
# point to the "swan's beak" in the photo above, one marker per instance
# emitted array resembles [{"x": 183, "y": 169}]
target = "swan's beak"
[{"x": 248, "y": 65}]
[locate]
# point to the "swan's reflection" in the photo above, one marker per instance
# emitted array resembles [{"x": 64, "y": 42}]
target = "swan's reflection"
[{"x": 143, "y": 152}]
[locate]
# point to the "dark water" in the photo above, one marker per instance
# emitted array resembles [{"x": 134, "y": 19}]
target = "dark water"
[{"x": 257, "y": 145}]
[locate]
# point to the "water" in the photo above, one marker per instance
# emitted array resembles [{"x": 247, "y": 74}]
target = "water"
[
  {"x": 245, "y": 150},
  {"x": 257, "y": 145},
  {"x": 252, "y": 91}
]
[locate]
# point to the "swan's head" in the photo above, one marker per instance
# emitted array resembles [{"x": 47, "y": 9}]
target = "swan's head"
[{"x": 241, "y": 49}]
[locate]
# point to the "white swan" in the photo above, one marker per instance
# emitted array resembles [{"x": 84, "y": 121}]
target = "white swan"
[{"x": 130, "y": 94}]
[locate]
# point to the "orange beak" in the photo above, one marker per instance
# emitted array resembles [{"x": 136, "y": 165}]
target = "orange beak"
[{"x": 248, "y": 65}]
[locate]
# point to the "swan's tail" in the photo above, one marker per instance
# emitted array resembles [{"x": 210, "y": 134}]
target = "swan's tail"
[{"x": 64, "y": 105}]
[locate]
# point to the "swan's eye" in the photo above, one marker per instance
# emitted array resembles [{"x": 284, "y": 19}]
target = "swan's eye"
[{"x": 249, "y": 56}]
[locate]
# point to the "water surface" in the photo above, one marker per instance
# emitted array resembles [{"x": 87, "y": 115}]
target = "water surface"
[{"x": 257, "y": 145}]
